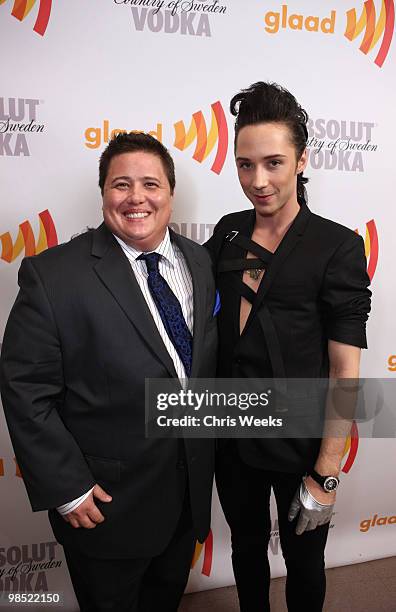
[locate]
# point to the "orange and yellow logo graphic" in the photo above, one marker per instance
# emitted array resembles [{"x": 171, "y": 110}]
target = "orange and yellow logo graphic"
[
  {"x": 208, "y": 554},
  {"x": 371, "y": 247},
  {"x": 374, "y": 29},
  {"x": 205, "y": 141},
  {"x": 351, "y": 448},
  {"x": 17, "y": 470},
  {"x": 22, "y": 8},
  {"x": 25, "y": 239}
]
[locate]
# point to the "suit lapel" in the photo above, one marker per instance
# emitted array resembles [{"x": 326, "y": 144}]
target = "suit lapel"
[
  {"x": 288, "y": 243},
  {"x": 199, "y": 284},
  {"x": 234, "y": 252},
  {"x": 116, "y": 274}
]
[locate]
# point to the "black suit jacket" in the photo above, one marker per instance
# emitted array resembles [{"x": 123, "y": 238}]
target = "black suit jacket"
[
  {"x": 314, "y": 290},
  {"x": 78, "y": 345}
]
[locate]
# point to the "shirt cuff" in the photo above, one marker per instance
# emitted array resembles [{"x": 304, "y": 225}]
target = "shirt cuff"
[{"x": 72, "y": 505}]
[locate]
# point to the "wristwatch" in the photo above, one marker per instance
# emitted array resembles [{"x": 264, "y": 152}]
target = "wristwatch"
[{"x": 328, "y": 483}]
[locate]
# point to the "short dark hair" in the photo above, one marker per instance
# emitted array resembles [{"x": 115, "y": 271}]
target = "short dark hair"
[
  {"x": 271, "y": 103},
  {"x": 130, "y": 143}
]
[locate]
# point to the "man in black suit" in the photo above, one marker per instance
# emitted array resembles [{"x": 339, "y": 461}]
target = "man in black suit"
[
  {"x": 86, "y": 330},
  {"x": 293, "y": 289}
]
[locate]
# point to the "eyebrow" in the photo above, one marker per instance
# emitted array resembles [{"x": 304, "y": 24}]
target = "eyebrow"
[
  {"x": 152, "y": 178},
  {"x": 128, "y": 178},
  {"x": 117, "y": 178},
  {"x": 266, "y": 157}
]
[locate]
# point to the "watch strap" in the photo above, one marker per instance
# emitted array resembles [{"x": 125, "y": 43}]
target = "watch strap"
[{"x": 322, "y": 479}]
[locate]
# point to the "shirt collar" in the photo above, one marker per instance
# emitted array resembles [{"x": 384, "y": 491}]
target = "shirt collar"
[{"x": 165, "y": 249}]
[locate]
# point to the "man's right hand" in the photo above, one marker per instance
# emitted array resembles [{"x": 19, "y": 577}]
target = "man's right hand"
[{"x": 87, "y": 514}]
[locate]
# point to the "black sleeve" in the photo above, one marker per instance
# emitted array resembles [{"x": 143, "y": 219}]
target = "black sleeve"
[
  {"x": 345, "y": 294},
  {"x": 32, "y": 388}
]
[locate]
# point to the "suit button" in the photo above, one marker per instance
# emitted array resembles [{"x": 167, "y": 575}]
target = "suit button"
[
  {"x": 180, "y": 465},
  {"x": 193, "y": 459},
  {"x": 238, "y": 360}
]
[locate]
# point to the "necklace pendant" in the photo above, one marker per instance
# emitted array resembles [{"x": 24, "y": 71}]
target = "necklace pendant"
[{"x": 255, "y": 273}]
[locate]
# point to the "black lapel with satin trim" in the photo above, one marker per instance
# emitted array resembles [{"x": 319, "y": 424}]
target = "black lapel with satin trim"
[
  {"x": 288, "y": 243},
  {"x": 114, "y": 270},
  {"x": 199, "y": 296}
]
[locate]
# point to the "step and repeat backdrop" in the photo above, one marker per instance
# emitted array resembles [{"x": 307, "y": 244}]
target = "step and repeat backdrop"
[{"x": 74, "y": 73}]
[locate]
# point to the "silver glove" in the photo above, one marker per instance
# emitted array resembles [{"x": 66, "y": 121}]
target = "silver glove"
[{"x": 312, "y": 513}]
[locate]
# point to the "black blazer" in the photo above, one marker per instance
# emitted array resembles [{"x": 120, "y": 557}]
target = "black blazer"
[
  {"x": 78, "y": 345},
  {"x": 314, "y": 290}
]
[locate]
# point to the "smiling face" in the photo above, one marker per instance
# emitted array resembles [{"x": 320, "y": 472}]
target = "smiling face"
[
  {"x": 267, "y": 166},
  {"x": 137, "y": 199}
]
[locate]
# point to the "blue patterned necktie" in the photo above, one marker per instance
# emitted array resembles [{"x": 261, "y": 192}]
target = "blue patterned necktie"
[{"x": 170, "y": 311}]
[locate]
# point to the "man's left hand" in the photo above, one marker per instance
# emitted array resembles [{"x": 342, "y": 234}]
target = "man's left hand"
[
  {"x": 314, "y": 505},
  {"x": 87, "y": 514}
]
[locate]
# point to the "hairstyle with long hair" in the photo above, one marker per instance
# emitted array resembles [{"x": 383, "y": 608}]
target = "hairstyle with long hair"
[
  {"x": 271, "y": 103},
  {"x": 133, "y": 142}
]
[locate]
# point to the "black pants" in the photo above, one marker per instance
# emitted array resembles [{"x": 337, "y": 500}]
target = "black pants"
[
  {"x": 244, "y": 493},
  {"x": 135, "y": 585}
]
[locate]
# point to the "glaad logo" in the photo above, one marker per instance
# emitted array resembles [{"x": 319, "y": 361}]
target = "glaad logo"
[
  {"x": 25, "y": 239},
  {"x": 339, "y": 145},
  {"x": 275, "y": 20},
  {"x": 176, "y": 16},
  {"x": 375, "y": 521},
  {"x": 208, "y": 555},
  {"x": 13, "y": 130},
  {"x": 205, "y": 141},
  {"x": 374, "y": 29},
  {"x": 23, "y": 7},
  {"x": 95, "y": 136},
  {"x": 17, "y": 471},
  {"x": 392, "y": 363},
  {"x": 371, "y": 247},
  {"x": 351, "y": 448}
]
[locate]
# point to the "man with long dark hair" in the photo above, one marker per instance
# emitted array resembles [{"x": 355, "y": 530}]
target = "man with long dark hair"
[{"x": 295, "y": 301}]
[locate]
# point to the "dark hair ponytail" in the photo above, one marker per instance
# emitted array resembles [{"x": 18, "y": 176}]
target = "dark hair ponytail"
[{"x": 271, "y": 103}]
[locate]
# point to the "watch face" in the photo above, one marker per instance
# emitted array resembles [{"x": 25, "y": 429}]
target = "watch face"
[{"x": 330, "y": 484}]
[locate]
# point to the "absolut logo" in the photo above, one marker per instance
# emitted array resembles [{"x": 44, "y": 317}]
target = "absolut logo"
[
  {"x": 174, "y": 17},
  {"x": 25, "y": 567},
  {"x": 18, "y": 119},
  {"x": 339, "y": 145},
  {"x": 165, "y": 21},
  {"x": 199, "y": 232}
]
